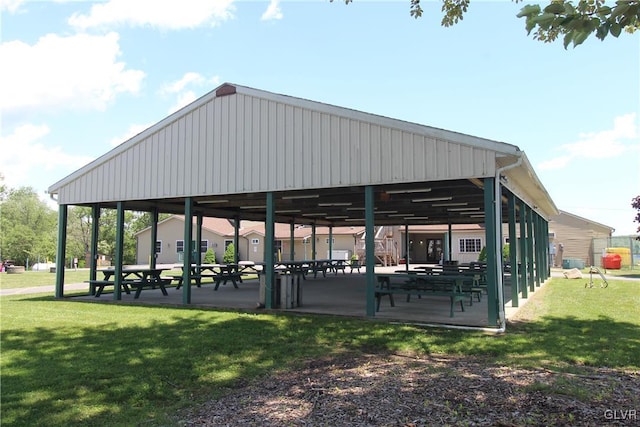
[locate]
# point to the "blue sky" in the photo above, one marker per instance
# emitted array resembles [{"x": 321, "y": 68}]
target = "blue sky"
[{"x": 78, "y": 78}]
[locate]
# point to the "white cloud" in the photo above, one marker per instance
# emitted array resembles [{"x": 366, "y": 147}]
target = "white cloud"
[
  {"x": 179, "y": 85},
  {"x": 10, "y": 6},
  {"x": 185, "y": 89},
  {"x": 622, "y": 138},
  {"x": 273, "y": 11},
  {"x": 27, "y": 161},
  {"x": 75, "y": 72},
  {"x": 132, "y": 131},
  {"x": 162, "y": 14}
]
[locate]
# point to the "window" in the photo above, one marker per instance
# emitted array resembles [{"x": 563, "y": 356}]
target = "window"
[
  {"x": 204, "y": 244},
  {"x": 255, "y": 241},
  {"x": 470, "y": 245},
  {"x": 159, "y": 247}
]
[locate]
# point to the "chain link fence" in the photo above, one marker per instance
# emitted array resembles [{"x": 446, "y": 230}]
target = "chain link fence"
[{"x": 627, "y": 246}]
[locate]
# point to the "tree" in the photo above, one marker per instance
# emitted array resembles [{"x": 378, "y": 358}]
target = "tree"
[
  {"x": 229, "y": 256},
  {"x": 209, "y": 257},
  {"x": 28, "y": 227},
  {"x": 559, "y": 18},
  {"x": 635, "y": 203}
]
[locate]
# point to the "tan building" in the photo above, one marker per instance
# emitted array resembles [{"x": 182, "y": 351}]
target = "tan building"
[
  {"x": 217, "y": 233},
  {"x": 572, "y": 237}
]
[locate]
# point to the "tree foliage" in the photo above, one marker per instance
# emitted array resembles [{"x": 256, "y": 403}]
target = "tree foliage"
[
  {"x": 27, "y": 227},
  {"x": 229, "y": 256},
  {"x": 635, "y": 203},
  {"x": 574, "y": 21}
]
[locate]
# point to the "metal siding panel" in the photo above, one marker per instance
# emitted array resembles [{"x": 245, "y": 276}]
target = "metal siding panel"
[
  {"x": 441, "y": 158},
  {"x": 262, "y": 138},
  {"x": 166, "y": 162},
  {"x": 343, "y": 152},
  {"x": 230, "y": 144},
  {"x": 365, "y": 152},
  {"x": 239, "y": 144},
  {"x": 278, "y": 145},
  {"x": 453, "y": 155},
  {"x": 271, "y": 134},
  {"x": 332, "y": 153},
  {"x": 200, "y": 140},
  {"x": 217, "y": 143},
  {"x": 377, "y": 171},
  {"x": 247, "y": 134},
  {"x": 209, "y": 141},
  {"x": 419, "y": 170},
  {"x": 155, "y": 168},
  {"x": 408, "y": 152},
  {"x": 320, "y": 127},
  {"x": 396, "y": 156},
  {"x": 179, "y": 163},
  {"x": 354, "y": 159},
  {"x": 291, "y": 148}
]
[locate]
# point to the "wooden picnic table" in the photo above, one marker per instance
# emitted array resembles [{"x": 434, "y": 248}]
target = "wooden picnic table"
[
  {"x": 418, "y": 283},
  {"x": 134, "y": 277}
]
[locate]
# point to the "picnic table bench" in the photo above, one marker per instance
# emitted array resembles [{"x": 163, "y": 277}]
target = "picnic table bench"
[
  {"x": 420, "y": 285},
  {"x": 138, "y": 278}
]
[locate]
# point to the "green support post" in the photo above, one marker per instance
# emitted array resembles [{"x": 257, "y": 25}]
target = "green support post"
[
  {"x": 530, "y": 250},
  {"x": 330, "y": 242},
  {"x": 269, "y": 246},
  {"x": 370, "y": 262},
  {"x": 539, "y": 246},
  {"x": 313, "y": 241},
  {"x": 236, "y": 239},
  {"x": 292, "y": 241},
  {"x": 513, "y": 250},
  {"x": 62, "y": 253},
  {"x": 154, "y": 238},
  {"x": 95, "y": 231},
  {"x": 198, "y": 260},
  {"x": 492, "y": 251},
  {"x": 406, "y": 247},
  {"x": 187, "y": 248},
  {"x": 523, "y": 249},
  {"x": 117, "y": 281}
]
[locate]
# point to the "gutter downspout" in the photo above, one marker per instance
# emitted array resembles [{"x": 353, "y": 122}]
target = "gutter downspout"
[{"x": 502, "y": 321}]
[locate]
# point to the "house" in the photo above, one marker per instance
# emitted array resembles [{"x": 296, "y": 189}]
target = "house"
[{"x": 217, "y": 233}]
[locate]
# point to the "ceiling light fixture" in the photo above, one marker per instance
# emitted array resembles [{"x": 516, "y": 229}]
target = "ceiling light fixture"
[
  {"x": 206, "y": 202},
  {"x": 254, "y": 207},
  {"x": 301, "y": 196},
  {"x": 289, "y": 211},
  {"x": 314, "y": 214},
  {"x": 462, "y": 209},
  {"x": 409, "y": 190},
  {"x": 432, "y": 199},
  {"x": 439, "y": 205},
  {"x": 335, "y": 204}
]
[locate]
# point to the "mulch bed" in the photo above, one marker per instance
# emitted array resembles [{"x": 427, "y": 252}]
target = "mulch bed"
[{"x": 396, "y": 390}]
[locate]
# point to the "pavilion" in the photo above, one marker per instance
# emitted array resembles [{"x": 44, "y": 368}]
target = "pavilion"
[{"x": 244, "y": 153}]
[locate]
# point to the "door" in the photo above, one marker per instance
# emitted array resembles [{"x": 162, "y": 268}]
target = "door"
[{"x": 434, "y": 250}]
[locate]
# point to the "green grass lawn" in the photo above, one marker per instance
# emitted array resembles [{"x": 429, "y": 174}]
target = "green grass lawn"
[
  {"x": 85, "y": 363},
  {"x": 40, "y": 278}
]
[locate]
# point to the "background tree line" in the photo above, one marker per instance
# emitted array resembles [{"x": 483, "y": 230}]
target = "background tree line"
[{"x": 29, "y": 229}]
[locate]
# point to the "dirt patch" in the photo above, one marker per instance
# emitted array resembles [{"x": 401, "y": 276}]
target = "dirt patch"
[{"x": 392, "y": 390}]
